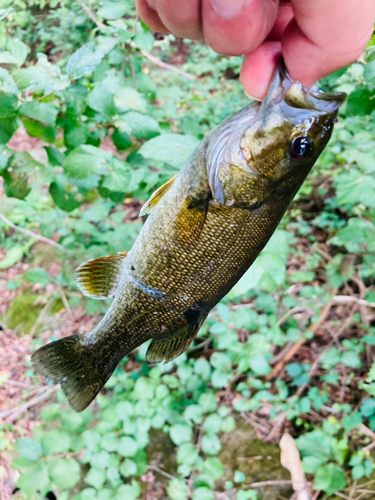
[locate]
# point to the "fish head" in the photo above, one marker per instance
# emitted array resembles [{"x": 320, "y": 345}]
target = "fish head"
[{"x": 291, "y": 129}]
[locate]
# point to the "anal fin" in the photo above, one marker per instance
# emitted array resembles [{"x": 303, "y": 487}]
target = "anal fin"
[
  {"x": 156, "y": 197},
  {"x": 171, "y": 346},
  {"x": 98, "y": 278}
]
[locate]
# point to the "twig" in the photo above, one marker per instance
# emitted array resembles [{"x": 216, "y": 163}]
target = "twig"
[
  {"x": 254, "y": 423},
  {"x": 294, "y": 349},
  {"x": 30, "y": 233},
  {"x": 346, "y": 299},
  {"x": 193, "y": 473},
  {"x": 144, "y": 53},
  {"x": 294, "y": 310},
  {"x": 20, "y": 409},
  {"x": 46, "y": 309},
  {"x": 163, "y": 473}
]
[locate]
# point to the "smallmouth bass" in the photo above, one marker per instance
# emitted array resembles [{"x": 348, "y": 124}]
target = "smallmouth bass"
[{"x": 205, "y": 227}]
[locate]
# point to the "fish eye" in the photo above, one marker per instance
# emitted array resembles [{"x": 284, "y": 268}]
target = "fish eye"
[{"x": 301, "y": 148}]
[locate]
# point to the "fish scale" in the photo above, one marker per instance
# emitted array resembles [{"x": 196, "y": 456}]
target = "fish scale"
[{"x": 205, "y": 228}]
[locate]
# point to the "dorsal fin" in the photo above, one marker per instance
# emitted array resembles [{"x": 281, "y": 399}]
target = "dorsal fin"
[
  {"x": 156, "y": 197},
  {"x": 98, "y": 278}
]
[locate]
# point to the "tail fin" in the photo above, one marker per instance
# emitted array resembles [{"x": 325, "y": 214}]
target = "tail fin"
[{"x": 68, "y": 362}]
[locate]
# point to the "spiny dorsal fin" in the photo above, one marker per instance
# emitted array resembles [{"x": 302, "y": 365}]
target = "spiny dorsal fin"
[
  {"x": 156, "y": 197},
  {"x": 98, "y": 278},
  {"x": 171, "y": 346}
]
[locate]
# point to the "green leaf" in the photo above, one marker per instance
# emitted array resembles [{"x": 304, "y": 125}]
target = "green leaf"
[
  {"x": 44, "y": 78},
  {"x": 55, "y": 441},
  {"x": 18, "y": 50},
  {"x": 207, "y": 402},
  {"x": 127, "y": 98},
  {"x": 113, "y": 10},
  {"x": 7, "y": 83},
  {"x": 329, "y": 478},
  {"x": 128, "y": 491},
  {"x": 83, "y": 61},
  {"x": 95, "y": 478},
  {"x": 13, "y": 256},
  {"x": 29, "y": 448},
  {"x": 352, "y": 421},
  {"x": 8, "y": 105},
  {"x": 360, "y": 102},
  {"x": 86, "y": 160},
  {"x": 127, "y": 446},
  {"x": 211, "y": 444},
  {"x": 121, "y": 140},
  {"x": 186, "y": 454},
  {"x": 128, "y": 468},
  {"x": 34, "y": 480},
  {"x": 51, "y": 412},
  {"x": 358, "y": 236},
  {"x": 43, "y": 112},
  {"x": 177, "y": 489},
  {"x": 203, "y": 493},
  {"x": 39, "y": 276},
  {"x": 101, "y": 100},
  {"x": 100, "y": 460},
  {"x": 4, "y": 13},
  {"x": 259, "y": 365},
  {"x": 141, "y": 126},
  {"x": 214, "y": 467},
  {"x": 7, "y": 128},
  {"x": 173, "y": 149},
  {"x": 64, "y": 472},
  {"x": 355, "y": 187},
  {"x": 180, "y": 433},
  {"x": 64, "y": 195}
]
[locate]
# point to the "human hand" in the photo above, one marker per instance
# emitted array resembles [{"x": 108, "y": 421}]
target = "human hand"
[{"x": 316, "y": 37}]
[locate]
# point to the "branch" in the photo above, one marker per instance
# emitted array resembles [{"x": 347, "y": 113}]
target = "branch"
[
  {"x": 20, "y": 409},
  {"x": 30, "y": 233},
  {"x": 144, "y": 53}
]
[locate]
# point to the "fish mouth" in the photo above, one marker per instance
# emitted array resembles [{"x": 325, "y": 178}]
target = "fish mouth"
[{"x": 295, "y": 95}]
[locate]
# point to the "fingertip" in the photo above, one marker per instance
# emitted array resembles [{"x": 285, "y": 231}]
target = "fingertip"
[
  {"x": 258, "y": 68},
  {"x": 150, "y": 17}
]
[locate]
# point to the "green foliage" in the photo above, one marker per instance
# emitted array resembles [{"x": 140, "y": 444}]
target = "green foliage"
[{"x": 114, "y": 128}]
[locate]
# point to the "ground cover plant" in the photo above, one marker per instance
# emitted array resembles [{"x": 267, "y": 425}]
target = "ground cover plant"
[{"x": 95, "y": 113}]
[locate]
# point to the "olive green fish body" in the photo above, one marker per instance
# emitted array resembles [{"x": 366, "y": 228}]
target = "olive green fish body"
[{"x": 204, "y": 230}]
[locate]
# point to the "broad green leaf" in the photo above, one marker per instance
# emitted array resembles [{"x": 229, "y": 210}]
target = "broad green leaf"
[
  {"x": 64, "y": 472},
  {"x": 29, "y": 448},
  {"x": 128, "y": 468},
  {"x": 259, "y": 365},
  {"x": 7, "y": 128},
  {"x": 127, "y": 446},
  {"x": 35, "y": 479},
  {"x": 128, "y": 491},
  {"x": 95, "y": 478},
  {"x": 44, "y": 77},
  {"x": 43, "y": 112},
  {"x": 211, "y": 444},
  {"x": 8, "y": 105},
  {"x": 358, "y": 236},
  {"x": 127, "y": 98},
  {"x": 5, "y": 12},
  {"x": 180, "y": 433},
  {"x": 186, "y": 454},
  {"x": 18, "y": 50},
  {"x": 12, "y": 256},
  {"x": 355, "y": 187},
  {"x": 83, "y": 61},
  {"x": 214, "y": 467},
  {"x": 51, "y": 412},
  {"x": 55, "y": 441},
  {"x": 141, "y": 126},
  {"x": 37, "y": 129},
  {"x": 330, "y": 478},
  {"x": 101, "y": 100},
  {"x": 173, "y": 149},
  {"x": 113, "y": 10},
  {"x": 177, "y": 489},
  {"x": 203, "y": 493},
  {"x": 86, "y": 160},
  {"x": 7, "y": 84},
  {"x": 64, "y": 195}
]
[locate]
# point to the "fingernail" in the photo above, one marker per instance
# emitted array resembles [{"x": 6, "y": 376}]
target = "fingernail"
[
  {"x": 229, "y": 8},
  {"x": 252, "y": 97}
]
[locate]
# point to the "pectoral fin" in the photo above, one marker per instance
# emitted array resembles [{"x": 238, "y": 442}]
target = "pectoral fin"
[
  {"x": 171, "y": 346},
  {"x": 156, "y": 197},
  {"x": 98, "y": 278}
]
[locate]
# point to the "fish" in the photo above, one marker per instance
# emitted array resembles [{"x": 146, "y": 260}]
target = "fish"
[{"x": 204, "y": 229}]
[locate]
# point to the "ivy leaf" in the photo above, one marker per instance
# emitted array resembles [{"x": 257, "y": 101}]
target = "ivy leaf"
[
  {"x": 83, "y": 61},
  {"x": 173, "y": 149}
]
